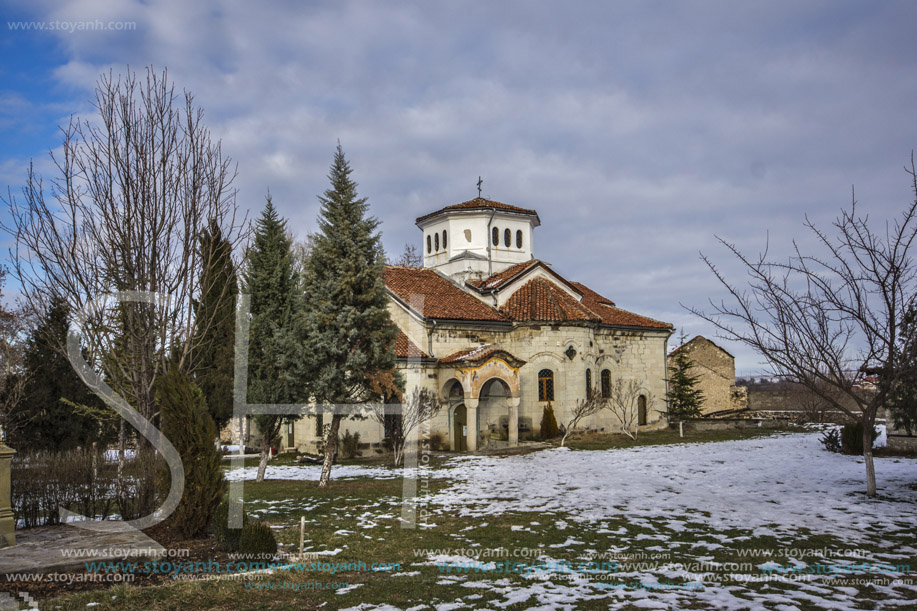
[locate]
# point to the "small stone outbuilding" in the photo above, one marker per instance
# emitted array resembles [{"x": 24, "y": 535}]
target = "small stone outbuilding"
[{"x": 716, "y": 369}]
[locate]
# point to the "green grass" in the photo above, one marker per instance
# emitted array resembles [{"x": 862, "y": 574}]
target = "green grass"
[{"x": 361, "y": 518}]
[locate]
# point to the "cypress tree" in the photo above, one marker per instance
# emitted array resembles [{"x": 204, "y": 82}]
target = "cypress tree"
[
  {"x": 349, "y": 333},
  {"x": 685, "y": 400},
  {"x": 186, "y": 423},
  {"x": 46, "y": 418},
  {"x": 275, "y": 366},
  {"x": 215, "y": 339}
]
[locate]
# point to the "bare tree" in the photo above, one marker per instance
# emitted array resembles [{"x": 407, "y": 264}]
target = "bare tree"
[
  {"x": 624, "y": 401},
  {"x": 590, "y": 406},
  {"x": 410, "y": 257},
  {"x": 14, "y": 327},
  {"x": 826, "y": 320},
  {"x": 134, "y": 188},
  {"x": 420, "y": 407}
]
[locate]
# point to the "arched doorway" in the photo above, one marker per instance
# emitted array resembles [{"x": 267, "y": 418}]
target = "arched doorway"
[
  {"x": 493, "y": 412},
  {"x": 459, "y": 429}
]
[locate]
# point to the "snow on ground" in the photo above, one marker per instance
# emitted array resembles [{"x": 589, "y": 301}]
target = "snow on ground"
[
  {"x": 772, "y": 484},
  {"x": 312, "y": 472}
]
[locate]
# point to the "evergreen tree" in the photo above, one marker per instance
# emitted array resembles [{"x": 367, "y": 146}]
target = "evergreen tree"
[
  {"x": 214, "y": 347},
  {"x": 46, "y": 418},
  {"x": 349, "y": 333},
  {"x": 902, "y": 396},
  {"x": 275, "y": 367},
  {"x": 685, "y": 400},
  {"x": 186, "y": 423}
]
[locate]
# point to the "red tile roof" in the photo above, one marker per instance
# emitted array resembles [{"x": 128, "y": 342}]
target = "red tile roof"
[
  {"x": 540, "y": 299},
  {"x": 405, "y": 348},
  {"x": 479, "y": 203},
  {"x": 441, "y": 299},
  {"x": 481, "y": 354},
  {"x": 612, "y": 315},
  {"x": 698, "y": 339},
  {"x": 501, "y": 278}
]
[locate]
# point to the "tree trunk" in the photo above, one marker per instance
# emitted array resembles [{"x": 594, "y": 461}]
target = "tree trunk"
[
  {"x": 121, "y": 443},
  {"x": 331, "y": 446},
  {"x": 867, "y": 457},
  {"x": 265, "y": 455}
]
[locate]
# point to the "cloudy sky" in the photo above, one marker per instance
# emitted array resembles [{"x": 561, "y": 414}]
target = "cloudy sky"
[{"x": 638, "y": 130}]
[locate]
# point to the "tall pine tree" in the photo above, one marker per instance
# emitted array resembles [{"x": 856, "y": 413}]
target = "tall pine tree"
[
  {"x": 46, "y": 418},
  {"x": 349, "y": 333},
  {"x": 215, "y": 310},
  {"x": 275, "y": 368},
  {"x": 684, "y": 398}
]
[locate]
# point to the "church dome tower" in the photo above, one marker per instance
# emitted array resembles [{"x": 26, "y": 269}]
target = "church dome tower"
[{"x": 478, "y": 238}]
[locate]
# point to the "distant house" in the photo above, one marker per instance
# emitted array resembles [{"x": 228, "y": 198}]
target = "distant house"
[{"x": 716, "y": 370}]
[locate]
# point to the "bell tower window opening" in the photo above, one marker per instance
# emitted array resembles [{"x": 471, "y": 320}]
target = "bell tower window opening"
[
  {"x": 507, "y": 234},
  {"x": 436, "y": 241},
  {"x": 444, "y": 239},
  {"x": 519, "y": 238},
  {"x": 429, "y": 245},
  {"x": 495, "y": 236}
]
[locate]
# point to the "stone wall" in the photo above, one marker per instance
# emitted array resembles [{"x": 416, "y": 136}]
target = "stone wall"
[{"x": 716, "y": 371}]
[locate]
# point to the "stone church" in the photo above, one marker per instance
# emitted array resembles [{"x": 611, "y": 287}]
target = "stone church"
[{"x": 499, "y": 334}]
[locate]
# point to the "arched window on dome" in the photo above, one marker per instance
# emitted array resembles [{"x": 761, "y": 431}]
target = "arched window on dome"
[
  {"x": 436, "y": 242},
  {"x": 495, "y": 236},
  {"x": 444, "y": 239},
  {"x": 429, "y": 244},
  {"x": 519, "y": 238}
]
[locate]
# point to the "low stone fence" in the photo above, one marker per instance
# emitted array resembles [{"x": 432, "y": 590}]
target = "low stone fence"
[
  {"x": 902, "y": 443},
  {"x": 724, "y": 424}
]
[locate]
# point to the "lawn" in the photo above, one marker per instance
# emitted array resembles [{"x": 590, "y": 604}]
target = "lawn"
[{"x": 767, "y": 522}]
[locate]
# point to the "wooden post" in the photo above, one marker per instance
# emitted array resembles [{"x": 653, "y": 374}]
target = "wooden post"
[
  {"x": 7, "y": 521},
  {"x": 302, "y": 534}
]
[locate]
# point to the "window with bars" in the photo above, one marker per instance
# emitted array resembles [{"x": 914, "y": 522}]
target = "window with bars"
[
  {"x": 606, "y": 384},
  {"x": 545, "y": 385},
  {"x": 588, "y": 383}
]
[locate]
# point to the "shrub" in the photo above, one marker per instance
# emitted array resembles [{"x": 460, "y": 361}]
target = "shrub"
[
  {"x": 350, "y": 444},
  {"x": 186, "y": 423},
  {"x": 227, "y": 538},
  {"x": 548, "y": 423},
  {"x": 436, "y": 442},
  {"x": 852, "y": 438},
  {"x": 832, "y": 440},
  {"x": 80, "y": 480},
  {"x": 257, "y": 539}
]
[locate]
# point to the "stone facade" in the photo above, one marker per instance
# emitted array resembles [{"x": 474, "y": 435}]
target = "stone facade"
[
  {"x": 716, "y": 371},
  {"x": 498, "y": 335}
]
